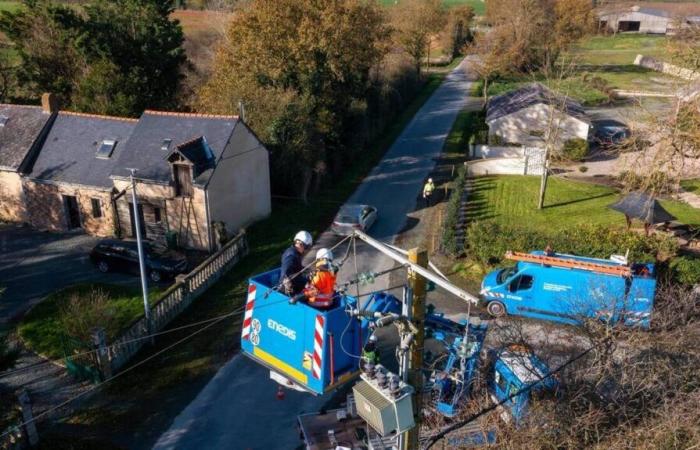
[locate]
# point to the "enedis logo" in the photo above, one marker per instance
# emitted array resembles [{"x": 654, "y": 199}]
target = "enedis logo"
[{"x": 281, "y": 329}]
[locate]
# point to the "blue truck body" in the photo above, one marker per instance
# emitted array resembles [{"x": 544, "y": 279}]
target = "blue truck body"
[
  {"x": 313, "y": 348},
  {"x": 568, "y": 294}
]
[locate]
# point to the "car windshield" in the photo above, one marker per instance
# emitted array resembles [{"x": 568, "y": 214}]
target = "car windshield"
[
  {"x": 346, "y": 219},
  {"x": 506, "y": 273}
]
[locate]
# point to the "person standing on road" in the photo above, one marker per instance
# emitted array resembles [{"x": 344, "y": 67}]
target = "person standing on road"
[
  {"x": 291, "y": 278},
  {"x": 428, "y": 192}
]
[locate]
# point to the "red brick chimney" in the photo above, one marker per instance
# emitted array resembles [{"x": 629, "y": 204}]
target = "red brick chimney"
[{"x": 49, "y": 103}]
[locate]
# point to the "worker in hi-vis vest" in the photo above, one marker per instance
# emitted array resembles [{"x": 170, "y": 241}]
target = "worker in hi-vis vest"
[
  {"x": 321, "y": 290},
  {"x": 428, "y": 191}
]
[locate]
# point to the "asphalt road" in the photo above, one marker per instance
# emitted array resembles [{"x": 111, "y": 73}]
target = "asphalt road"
[
  {"x": 238, "y": 408},
  {"x": 34, "y": 264}
]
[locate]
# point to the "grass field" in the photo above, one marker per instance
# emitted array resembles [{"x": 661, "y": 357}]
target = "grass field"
[
  {"x": 42, "y": 329},
  {"x": 691, "y": 185},
  {"x": 512, "y": 200},
  {"x": 9, "y": 6},
  {"x": 479, "y": 6}
]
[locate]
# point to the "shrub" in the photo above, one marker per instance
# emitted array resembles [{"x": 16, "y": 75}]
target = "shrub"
[
  {"x": 449, "y": 237},
  {"x": 656, "y": 182},
  {"x": 494, "y": 139},
  {"x": 86, "y": 310},
  {"x": 481, "y": 137},
  {"x": 487, "y": 242},
  {"x": 575, "y": 149},
  {"x": 583, "y": 169},
  {"x": 685, "y": 270}
]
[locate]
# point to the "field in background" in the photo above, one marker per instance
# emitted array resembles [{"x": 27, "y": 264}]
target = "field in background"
[{"x": 479, "y": 6}]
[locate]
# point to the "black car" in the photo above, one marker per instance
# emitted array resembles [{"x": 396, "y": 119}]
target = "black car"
[
  {"x": 609, "y": 133},
  {"x": 123, "y": 256}
]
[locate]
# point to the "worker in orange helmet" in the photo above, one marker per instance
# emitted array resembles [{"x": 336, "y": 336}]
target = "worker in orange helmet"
[{"x": 321, "y": 289}]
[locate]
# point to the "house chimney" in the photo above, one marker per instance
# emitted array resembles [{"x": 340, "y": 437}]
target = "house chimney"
[{"x": 49, "y": 103}]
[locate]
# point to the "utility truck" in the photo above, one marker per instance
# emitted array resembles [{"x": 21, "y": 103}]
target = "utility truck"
[{"x": 568, "y": 288}]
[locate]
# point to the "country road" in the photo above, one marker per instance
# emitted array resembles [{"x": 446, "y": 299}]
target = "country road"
[{"x": 238, "y": 409}]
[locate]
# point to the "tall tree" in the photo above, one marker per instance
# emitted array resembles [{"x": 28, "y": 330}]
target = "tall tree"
[
  {"x": 126, "y": 53},
  {"x": 416, "y": 21},
  {"x": 457, "y": 33},
  {"x": 298, "y": 66}
]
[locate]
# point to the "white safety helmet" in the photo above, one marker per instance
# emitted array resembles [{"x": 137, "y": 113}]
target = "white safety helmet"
[
  {"x": 324, "y": 253},
  {"x": 373, "y": 337},
  {"x": 430, "y": 180},
  {"x": 304, "y": 237}
]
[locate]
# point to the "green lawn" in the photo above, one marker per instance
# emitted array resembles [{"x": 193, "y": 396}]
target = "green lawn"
[
  {"x": 10, "y": 5},
  {"x": 691, "y": 185},
  {"x": 42, "y": 328},
  {"x": 479, "y": 6},
  {"x": 512, "y": 200},
  {"x": 574, "y": 87}
]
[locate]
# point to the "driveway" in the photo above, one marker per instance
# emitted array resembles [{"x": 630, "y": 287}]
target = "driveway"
[
  {"x": 34, "y": 264},
  {"x": 238, "y": 408}
]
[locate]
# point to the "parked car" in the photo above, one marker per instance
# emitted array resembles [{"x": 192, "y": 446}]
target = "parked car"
[
  {"x": 122, "y": 256},
  {"x": 354, "y": 217},
  {"x": 607, "y": 133}
]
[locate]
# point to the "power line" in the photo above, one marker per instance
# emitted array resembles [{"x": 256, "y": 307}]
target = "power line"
[
  {"x": 92, "y": 388},
  {"x": 119, "y": 344}
]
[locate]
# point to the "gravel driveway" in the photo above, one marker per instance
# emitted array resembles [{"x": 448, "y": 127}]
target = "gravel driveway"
[{"x": 34, "y": 264}]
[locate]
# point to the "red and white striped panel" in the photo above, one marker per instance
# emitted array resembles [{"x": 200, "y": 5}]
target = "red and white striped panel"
[
  {"x": 248, "y": 317},
  {"x": 317, "y": 359}
]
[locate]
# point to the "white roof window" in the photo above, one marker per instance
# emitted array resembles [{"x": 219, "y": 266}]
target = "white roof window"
[
  {"x": 106, "y": 148},
  {"x": 165, "y": 146}
]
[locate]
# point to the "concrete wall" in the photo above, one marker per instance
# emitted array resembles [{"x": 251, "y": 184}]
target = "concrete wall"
[
  {"x": 186, "y": 216},
  {"x": 12, "y": 207},
  {"x": 516, "y": 128},
  {"x": 494, "y": 151},
  {"x": 504, "y": 166},
  {"x": 239, "y": 189},
  {"x": 647, "y": 23},
  {"x": 46, "y": 209},
  {"x": 664, "y": 67}
]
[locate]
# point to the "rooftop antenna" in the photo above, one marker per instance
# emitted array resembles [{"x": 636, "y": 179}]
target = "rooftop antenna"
[{"x": 241, "y": 110}]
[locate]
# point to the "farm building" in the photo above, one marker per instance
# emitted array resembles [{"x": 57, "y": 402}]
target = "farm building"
[
  {"x": 635, "y": 19},
  {"x": 533, "y": 114}
]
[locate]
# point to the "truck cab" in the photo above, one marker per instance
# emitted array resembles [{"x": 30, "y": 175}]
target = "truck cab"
[
  {"x": 517, "y": 376},
  {"x": 567, "y": 288}
]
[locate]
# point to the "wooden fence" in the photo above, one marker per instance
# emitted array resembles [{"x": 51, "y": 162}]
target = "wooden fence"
[{"x": 175, "y": 300}]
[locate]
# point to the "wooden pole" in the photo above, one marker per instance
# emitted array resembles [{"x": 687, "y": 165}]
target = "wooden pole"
[{"x": 415, "y": 365}]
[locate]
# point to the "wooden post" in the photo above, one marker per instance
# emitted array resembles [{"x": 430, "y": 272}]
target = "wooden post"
[
  {"x": 99, "y": 340},
  {"x": 415, "y": 365},
  {"x": 28, "y": 417}
]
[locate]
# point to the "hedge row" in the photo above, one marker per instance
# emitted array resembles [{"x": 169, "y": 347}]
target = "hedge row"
[
  {"x": 487, "y": 242},
  {"x": 450, "y": 242}
]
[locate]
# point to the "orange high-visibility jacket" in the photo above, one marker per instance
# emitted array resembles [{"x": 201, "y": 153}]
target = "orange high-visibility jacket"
[{"x": 323, "y": 283}]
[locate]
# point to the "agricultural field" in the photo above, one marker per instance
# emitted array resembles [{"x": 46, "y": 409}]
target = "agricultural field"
[
  {"x": 512, "y": 200},
  {"x": 479, "y": 6}
]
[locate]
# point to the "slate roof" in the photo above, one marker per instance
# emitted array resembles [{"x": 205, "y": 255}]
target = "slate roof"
[
  {"x": 144, "y": 152},
  {"x": 24, "y": 125},
  {"x": 68, "y": 152},
  {"x": 642, "y": 206},
  {"x": 530, "y": 95}
]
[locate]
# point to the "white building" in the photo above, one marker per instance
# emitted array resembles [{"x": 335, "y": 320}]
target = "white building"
[
  {"x": 532, "y": 114},
  {"x": 636, "y": 19}
]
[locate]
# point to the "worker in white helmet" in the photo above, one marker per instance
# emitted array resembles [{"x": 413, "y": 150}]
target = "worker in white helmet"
[
  {"x": 321, "y": 290},
  {"x": 291, "y": 276},
  {"x": 428, "y": 189}
]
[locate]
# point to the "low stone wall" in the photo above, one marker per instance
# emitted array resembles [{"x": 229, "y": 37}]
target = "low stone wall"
[
  {"x": 664, "y": 67},
  {"x": 494, "y": 151},
  {"x": 528, "y": 161}
]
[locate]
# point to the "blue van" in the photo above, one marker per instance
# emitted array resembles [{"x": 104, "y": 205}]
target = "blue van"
[{"x": 568, "y": 288}]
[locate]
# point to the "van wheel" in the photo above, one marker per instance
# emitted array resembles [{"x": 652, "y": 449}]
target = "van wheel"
[
  {"x": 496, "y": 309},
  {"x": 103, "y": 267},
  {"x": 155, "y": 276}
]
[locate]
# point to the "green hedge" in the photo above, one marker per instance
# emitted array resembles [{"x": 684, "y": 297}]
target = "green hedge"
[
  {"x": 685, "y": 270},
  {"x": 488, "y": 241},
  {"x": 575, "y": 149},
  {"x": 449, "y": 238}
]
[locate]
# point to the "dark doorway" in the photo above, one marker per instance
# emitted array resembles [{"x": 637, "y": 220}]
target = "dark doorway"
[
  {"x": 142, "y": 222},
  {"x": 72, "y": 211},
  {"x": 628, "y": 25}
]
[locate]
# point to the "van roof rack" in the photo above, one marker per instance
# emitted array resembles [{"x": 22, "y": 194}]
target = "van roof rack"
[{"x": 556, "y": 261}]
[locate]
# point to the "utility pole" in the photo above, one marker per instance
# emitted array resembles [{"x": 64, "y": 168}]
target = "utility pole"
[
  {"x": 139, "y": 244},
  {"x": 415, "y": 365}
]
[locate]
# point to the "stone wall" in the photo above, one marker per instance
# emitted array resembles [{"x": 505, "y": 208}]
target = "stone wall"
[
  {"x": 11, "y": 198},
  {"x": 664, "y": 67},
  {"x": 46, "y": 207}
]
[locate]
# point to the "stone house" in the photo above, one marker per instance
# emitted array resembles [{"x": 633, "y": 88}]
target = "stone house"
[
  {"x": 533, "y": 114},
  {"x": 22, "y": 129},
  {"x": 195, "y": 174}
]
